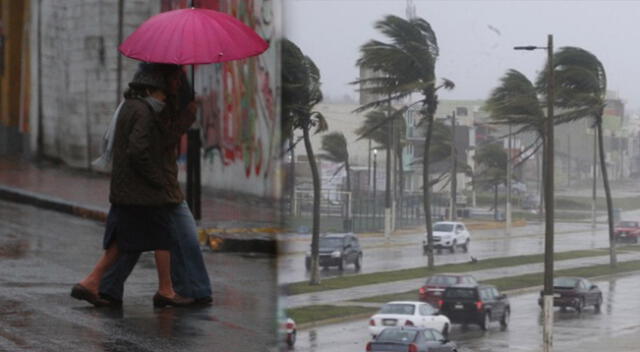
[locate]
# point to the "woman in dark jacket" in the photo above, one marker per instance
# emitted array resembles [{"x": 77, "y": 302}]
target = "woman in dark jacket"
[{"x": 142, "y": 196}]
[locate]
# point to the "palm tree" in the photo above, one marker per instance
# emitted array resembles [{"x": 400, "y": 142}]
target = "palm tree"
[
  {"x": 580, "y": 89},
  {"x": 335, "y": 150},
  {"x": 300, "y": 93},
  {"x": 515, "y": 102},
  {"x": 375, "y": 127},
  {"x": 334, "y": 146},
  {"x": 406, "y": 65},
  {"x": 493, "y": 160}
]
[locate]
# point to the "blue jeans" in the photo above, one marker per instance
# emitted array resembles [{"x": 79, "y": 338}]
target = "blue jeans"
[{"x": 188, "y": 272}]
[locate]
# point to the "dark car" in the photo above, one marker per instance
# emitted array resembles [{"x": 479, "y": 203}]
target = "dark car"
[
  {"x": 338, "y": 250},
  {"x": 475, "y": 304},
  {"x": 574, "y": 292},
  {"x": 627, "y": 231},
  {"x": 435, "y": 285},
  {"x": 410, "y": 339}
]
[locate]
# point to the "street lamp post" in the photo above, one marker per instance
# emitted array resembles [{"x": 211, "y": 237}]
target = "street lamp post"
[
  {"x": 548, "y": 196},
  {"x": 453, "y": 212}
]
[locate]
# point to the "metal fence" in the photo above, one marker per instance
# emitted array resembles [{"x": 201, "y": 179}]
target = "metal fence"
[{"x": 363, "y": 211}]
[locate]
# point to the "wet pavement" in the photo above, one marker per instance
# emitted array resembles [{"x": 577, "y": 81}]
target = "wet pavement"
[
  {"x": 43, "y": 253},
  {"x": 405, "y": 251},
  {"x": 615, "y": 329}
]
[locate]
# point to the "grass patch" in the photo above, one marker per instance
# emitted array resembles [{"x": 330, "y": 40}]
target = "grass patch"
[
  {"x": 324, "y": 312},
  {"x": 423, "y": 272},
  {"x": 523, "y": 281}
]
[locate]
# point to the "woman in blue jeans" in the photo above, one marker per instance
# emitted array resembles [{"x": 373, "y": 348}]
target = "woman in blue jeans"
[{"x": 188, "y": 272}]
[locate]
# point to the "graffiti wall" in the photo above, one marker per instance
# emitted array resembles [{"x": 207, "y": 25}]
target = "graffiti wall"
[{"x": 238, "y": 118}]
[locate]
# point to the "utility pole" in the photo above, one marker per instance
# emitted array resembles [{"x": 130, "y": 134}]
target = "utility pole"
[
  {"x": 547, "y": 328},
  {"x": 509, "y": 176},
  {"x": 549, "y": 208},
  {"x": 595, "y": 176},
  {"x": 369, "y": 164},
  {"x": 389, "y": 164},
  {"x": 569, "y": 160},
  {"x": 454, "y": 170},
  {"x": 375, "y": 182}
]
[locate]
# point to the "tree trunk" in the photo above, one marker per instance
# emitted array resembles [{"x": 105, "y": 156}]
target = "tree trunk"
[
  {"x": 349, "y": 198},
  {"x": 315, "y": 233},
  {"x": 495, "y": 202},
  {"x": 292, "y": 177},
  {"x": 425, "y": 190},
  {"x": 401, "y": 173},
  {"x": 607, "y": 191}
]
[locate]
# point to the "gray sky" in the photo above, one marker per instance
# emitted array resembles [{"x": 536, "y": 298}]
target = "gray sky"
[{"x": 475, "y": 38}]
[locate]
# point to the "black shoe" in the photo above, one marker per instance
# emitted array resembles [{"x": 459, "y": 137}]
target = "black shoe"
[
  {"x": 203, "y": 301},
  {"x": 160, "y": 301},
  {"x": 113, "y": 302},
  {"x": 82, "y": 293}
]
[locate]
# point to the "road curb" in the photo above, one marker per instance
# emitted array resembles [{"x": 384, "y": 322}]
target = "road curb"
[{"x": 219, "y": 239}]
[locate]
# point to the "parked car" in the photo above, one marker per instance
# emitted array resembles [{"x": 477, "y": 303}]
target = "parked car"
[
  {"x": 338, "y": 250},
  {"x": 291, "y": 332},
  {"x": 574, "y": 292},
  {"x": 411, "y": 339},
  {"x": 475, "y": 304},
  {"x": 407, "y": 313},
  {"x": 449, "y": 234},
  {"x": 627, "y": 231},
  {"x": 435, "y": 285}
]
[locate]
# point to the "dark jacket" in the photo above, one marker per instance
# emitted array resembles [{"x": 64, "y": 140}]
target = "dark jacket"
[{"x": 144, "y": 156}]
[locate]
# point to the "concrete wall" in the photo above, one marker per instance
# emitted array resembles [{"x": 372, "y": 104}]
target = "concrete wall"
[{"x": 74, "y": 42}]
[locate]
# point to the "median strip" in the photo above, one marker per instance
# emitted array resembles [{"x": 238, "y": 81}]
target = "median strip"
[
  {"x": 326, "y": 314},
  {"x": 423, "y": 272}
]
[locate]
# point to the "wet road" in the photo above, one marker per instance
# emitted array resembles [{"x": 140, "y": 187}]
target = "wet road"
[
  {"x": 614, "y": 329},
  {"x": 405, "y": 251},
  {"x": 43, "y": 253}
]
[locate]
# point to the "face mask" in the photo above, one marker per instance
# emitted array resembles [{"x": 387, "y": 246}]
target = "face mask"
[{"x": 156, "y": 105}]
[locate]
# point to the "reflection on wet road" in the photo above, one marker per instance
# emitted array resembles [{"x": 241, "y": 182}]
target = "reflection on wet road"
[
  {"x": 43, "y": 253},
  {"x": 572, "y": 331}
]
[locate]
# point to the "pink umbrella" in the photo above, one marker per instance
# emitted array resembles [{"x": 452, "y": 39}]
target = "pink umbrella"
[{"x": 192, "y": 36}]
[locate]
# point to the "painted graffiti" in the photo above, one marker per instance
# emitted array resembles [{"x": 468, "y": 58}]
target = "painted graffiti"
[{"x": 238, "y": 117}]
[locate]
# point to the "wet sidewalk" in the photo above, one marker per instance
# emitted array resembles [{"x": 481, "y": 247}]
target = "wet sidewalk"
[
  {"x": 232, "y": 221},
  {"x": 336, "y": 297}
]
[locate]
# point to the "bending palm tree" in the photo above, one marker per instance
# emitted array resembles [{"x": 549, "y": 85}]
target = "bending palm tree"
[
  {"x": 406, "y": 65},
  {"x": 515, "y": 102},
  {"x": 300, "y": 93},
  {"x": 335, "y": 150},
  {"x": 581, "y": 88}
]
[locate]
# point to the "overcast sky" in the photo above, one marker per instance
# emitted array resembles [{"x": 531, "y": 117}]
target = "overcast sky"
[{"x": 475, "y": 38}]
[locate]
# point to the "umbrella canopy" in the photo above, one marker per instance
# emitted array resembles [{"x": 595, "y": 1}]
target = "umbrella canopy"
[{"x": 192, "y": 36}]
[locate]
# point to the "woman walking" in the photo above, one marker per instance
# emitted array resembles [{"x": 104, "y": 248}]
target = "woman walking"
[{"x": 142, "y": 195}]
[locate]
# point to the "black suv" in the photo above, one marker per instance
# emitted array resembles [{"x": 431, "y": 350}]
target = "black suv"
[
  {"x": 338, "y": 250},
  {"x": 475, "y": 304}
]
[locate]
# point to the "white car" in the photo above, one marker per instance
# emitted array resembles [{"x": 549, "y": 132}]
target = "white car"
[
  {"x": 449, "y": 235},
  {"x": 408, "y": 313}
]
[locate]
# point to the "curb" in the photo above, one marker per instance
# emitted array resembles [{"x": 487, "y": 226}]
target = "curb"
[
  {"x": 256, "y": 240},
  {"x": 52, "y": 203}
]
